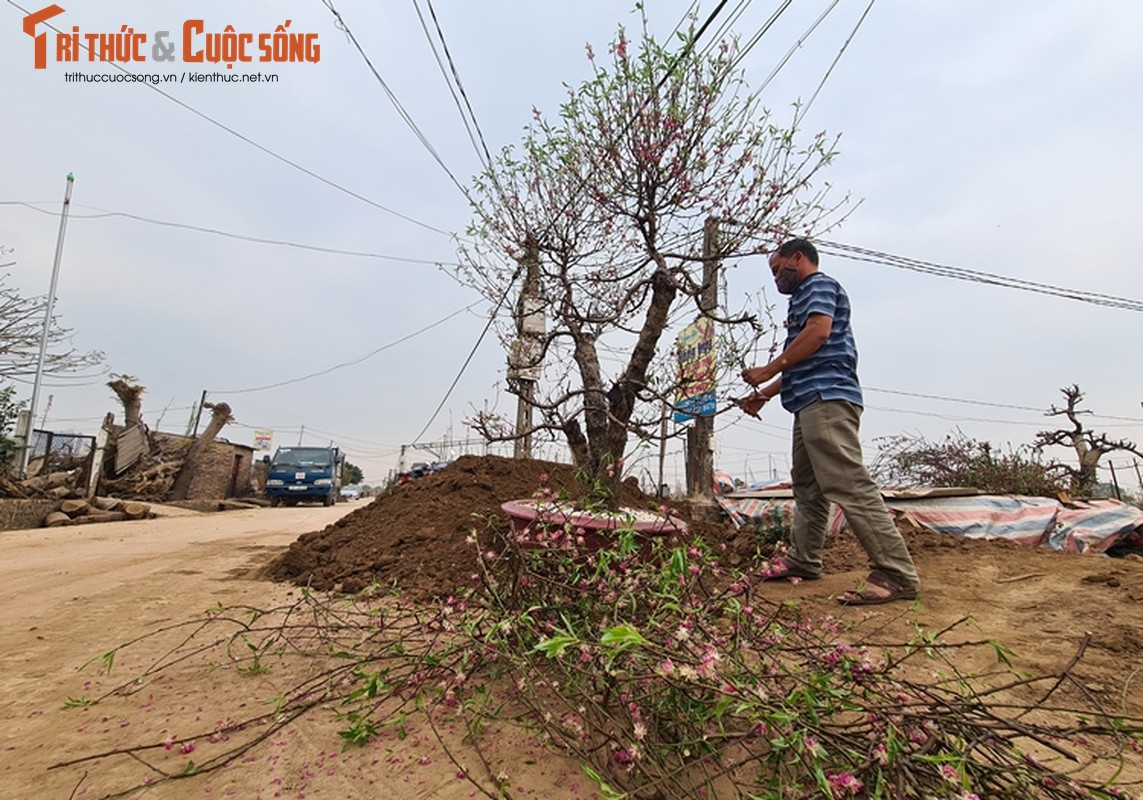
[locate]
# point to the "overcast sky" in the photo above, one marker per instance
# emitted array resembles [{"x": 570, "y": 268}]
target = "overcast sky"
[{"x": 231, "y": 237}]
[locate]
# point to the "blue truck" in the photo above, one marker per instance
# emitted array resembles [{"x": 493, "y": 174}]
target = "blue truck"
[{"x": 297, "y": 474}]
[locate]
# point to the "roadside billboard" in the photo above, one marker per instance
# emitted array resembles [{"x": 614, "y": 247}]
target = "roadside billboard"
[{"x": 694, "y": 347}]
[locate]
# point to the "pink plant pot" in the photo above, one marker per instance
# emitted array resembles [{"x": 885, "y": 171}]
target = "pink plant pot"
[{"x": 544, "y": 524}]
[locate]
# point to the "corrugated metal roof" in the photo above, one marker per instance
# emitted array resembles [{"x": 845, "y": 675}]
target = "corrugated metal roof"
[{"x": 129, "y": 448}]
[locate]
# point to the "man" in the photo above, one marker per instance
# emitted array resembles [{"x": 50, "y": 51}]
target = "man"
[{"x": 816, "y": 374}]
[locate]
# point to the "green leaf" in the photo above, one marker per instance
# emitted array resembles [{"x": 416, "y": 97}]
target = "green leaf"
[
  {"x": 605, "y": 789},
  {"x": 622, "y": 637},
  {"x": 1003, "y": 653},
  {"x": 554, "y": 647}
]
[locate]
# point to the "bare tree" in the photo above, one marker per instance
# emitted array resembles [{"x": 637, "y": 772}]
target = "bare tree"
[
  {"x": 22, "y": 327},
  {"x": 604, "y": 209},
  {"x": 1089, "y": 446}
]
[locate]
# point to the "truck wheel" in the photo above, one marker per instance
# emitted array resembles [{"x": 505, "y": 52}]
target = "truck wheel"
[
  {"x": 328, "y": 500},
  {"x": 275, "y": 501}
]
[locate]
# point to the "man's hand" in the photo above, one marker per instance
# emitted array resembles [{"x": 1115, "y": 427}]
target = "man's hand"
[
  {"x": 752, "y": 403},
  {"x": 757, "y": 375}
]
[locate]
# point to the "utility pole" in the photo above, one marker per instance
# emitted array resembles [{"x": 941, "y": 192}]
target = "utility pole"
[
  {"x": 526, "y": 355},
  {"x": 198, "y": 414},
  {"x": 700, "y": 457},
  {"x": 27, "y": 453}
]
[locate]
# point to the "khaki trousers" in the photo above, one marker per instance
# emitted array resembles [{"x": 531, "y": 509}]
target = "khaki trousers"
[{"x": 828, "y": 467}]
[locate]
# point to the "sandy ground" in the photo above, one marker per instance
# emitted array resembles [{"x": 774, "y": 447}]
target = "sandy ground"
[{"x": 68, "y": 595}]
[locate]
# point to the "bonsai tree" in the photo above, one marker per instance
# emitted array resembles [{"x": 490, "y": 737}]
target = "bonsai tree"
[
  {"x": 601, "y": 223},
  {"x": 1089, "y": 445}
]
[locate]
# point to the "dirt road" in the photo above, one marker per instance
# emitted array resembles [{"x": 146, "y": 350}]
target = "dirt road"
[{"x": 69, "y": 595}]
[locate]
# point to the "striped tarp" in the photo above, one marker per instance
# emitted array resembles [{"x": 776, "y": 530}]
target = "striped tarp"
[{"x": 1080, "y": 527}]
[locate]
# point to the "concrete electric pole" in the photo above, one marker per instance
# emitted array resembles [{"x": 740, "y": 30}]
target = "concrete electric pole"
[
  {"x": 700, "y": 457},
  {"x": 26, "y": 455},
  {"x": 526, "y": 356}
]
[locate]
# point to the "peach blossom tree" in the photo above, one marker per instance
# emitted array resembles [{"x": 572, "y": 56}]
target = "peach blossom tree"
[{"x": 597, "y": 220}]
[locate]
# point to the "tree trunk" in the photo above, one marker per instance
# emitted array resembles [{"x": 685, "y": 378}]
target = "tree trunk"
[
  {"x": 135, "y": 510},
  {"x": 576, "y": 443},
  {"x": 219, "y": 416},
  {"x": 74, "y": 508},
  {"x": 99, "y": 516},
  {"x": 107, "y": 503},
  {"x": 130, "y": 394}
]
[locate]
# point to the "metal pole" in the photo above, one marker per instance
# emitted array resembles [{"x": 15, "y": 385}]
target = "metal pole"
[{"x": 27, "y": 454}]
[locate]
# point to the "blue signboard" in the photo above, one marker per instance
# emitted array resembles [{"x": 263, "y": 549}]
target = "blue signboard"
[{"x": 697, "y": 405}]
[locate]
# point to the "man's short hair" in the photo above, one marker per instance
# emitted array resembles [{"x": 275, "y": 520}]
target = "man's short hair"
[{"x": 803, "y": 246}]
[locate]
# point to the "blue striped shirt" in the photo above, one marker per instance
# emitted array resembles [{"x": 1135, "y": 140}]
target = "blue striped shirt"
[{"x": 831, "y": 372}]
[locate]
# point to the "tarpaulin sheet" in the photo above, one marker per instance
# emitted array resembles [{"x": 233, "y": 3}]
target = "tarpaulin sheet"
[{"x": 1081, "y": 527}]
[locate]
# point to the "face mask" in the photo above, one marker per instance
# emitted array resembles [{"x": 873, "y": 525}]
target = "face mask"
[{"x": 786, "y": 280}]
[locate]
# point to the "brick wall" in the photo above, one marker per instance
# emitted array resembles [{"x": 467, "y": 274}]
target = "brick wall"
[{"x": 225, "y": 472}]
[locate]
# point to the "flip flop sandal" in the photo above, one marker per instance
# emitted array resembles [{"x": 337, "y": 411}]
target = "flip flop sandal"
[
  {"x": 781, "y": 571},
  {"x": 867, "y": 597}
]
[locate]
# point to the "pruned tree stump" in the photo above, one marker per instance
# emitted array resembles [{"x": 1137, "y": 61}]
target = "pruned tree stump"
[{"x": 75, "y": 508}]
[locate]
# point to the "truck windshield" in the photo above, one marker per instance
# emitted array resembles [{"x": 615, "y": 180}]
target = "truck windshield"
[{"x": 302, "y": 457}]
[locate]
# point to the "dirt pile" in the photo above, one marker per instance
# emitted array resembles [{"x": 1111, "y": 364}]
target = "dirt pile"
[{"x": 414, "y": 537}]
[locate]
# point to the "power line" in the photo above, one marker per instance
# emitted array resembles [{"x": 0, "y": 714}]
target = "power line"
[
  {"x": 104, "y": 214},
  {"x": 955, "y": 399},
  {"x": 948, "y": 418},
  {"x": 854, "y": 253},
  {"x": 1044, "y": 411},
  {"x": 467, "y": 115},
  {"x": 344, "y": 364},
  {"x": 838, "y": 249},
  {"x": 468, "y": 360},
  {"x": 845, "y": 45},
  {"x": 405, "y": 116}
]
